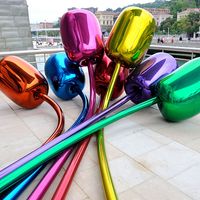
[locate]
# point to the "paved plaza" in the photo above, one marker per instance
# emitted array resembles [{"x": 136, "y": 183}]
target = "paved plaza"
[{"x": 149, "y": 158}]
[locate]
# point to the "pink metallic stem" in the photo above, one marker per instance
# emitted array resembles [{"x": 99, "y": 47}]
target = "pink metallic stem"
[
  {"x": 44, "y": 184},
  {"x": 48, "y": 178},
  {"x": 67, "y": 178}
]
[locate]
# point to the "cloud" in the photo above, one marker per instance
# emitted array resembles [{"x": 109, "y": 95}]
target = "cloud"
[{"x": 40, "y": 10}]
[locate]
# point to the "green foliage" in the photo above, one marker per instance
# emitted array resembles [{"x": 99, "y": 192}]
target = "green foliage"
[
  {"x": 193, "y": 23},
  {"x": 180, "y": 5},
  {"x": 188, "y": 25},
  {"x": 53, "y": 33},
  {"x": 197, "y": 3},
  {"x": 174, "y": 5},
  {"x": 57, "y": 25},
  {"x": 168, "y": 23}
]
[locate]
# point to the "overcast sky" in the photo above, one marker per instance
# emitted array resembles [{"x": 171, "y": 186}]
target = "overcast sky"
[{"x": 50, "y": 10}]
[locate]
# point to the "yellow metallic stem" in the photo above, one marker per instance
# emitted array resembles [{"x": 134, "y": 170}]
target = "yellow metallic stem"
[{"x": 105, "y": 171}]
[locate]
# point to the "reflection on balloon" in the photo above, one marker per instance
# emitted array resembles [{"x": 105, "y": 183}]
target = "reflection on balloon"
[
  {"x": 130, "y": 36},
  {"x": 28, "y": 88},
  {"x": 140, "y": 83},
  {"x": 83, "y": 44},
  {"x": 179, "y": 92},
  {"x": 61, "y": 143},
  {"x": 103, "y": 74},
  {"x": 64, "y": 76},
  {"x": 81, "y": 36},
  {"x": 177, "y": 95},
  {"x": 21, "y": 82}
]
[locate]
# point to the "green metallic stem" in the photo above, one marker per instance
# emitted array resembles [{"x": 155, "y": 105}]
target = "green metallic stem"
[
  {"x": 60, "y": 147},
  {"x": 103, "y": 162}
]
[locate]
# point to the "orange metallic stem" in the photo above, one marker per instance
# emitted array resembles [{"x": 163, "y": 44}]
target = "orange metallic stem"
[{"x": 59, "y": 112}]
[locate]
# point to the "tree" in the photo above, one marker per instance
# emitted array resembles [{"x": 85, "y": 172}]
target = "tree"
[
  {"x": 197, "y": 3},
  {"x": 193, "y": 21},
  {"x": 180, "y": 26},
  {"x": 56, "y": 25},
  {"x": 168, "y": 23},
  {"x": 109, "y": 9},
  {"x": 180, "y": 5},
  {"x": 189, "y": 25}
]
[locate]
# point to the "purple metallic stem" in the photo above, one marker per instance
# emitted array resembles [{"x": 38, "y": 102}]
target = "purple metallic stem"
[
  {"x": 62, "y": 137},
  {"x": 50, "y": 175},
  {"x": 67, "y": 178}
]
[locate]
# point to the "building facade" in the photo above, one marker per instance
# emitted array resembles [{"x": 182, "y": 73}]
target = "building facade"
[
  {"x": 160, "y": 15},
  {"x": 106, "y": 19},
  {"x": 46, "y": 25},
  {"x": 15, "y": 33},
  {"x": 186, "y": 12}
]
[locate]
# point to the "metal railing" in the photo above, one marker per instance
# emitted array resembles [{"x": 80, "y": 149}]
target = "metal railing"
[
  {"x": 180, "y": 53},
  {"x": 41, "y": 55}
]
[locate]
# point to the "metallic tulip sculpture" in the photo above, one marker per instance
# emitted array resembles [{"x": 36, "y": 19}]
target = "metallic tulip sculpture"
[
  {"x": 103, "y": 74},
  {"x": 28, "y": 88},
  {"x": 81, "y": 36},
  {"x": 140, "y": 83},
  {"x": 179, "y": 93},
  {"x": 65, "y": 77},
  {"x": 21, "y": 82},
  {"x": 50, "y": 150},
  {"x": 126, "y": 45},
  {"x": 86, "y": 45},
  {"x": 130, "y": 36},
  {"x": 82, "y": 40},
  {"x": 139, "y": 31},
  {"x": 66, "y": 81}
]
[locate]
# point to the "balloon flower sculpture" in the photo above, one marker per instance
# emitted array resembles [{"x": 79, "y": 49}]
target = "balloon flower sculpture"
[
  {"x": 66, "y": 80},
  {"x": 151, "y": 81},
  {"x": 110, "y": 76},
  {"x": 27, "y": 87},
  {"x": 126, "y": 45},
  {"x": 83, "y": 44},
  {"x": 147, "y": 29},
  {"x": 171, "y": 83},
  {"x": 152, "y": 61}
]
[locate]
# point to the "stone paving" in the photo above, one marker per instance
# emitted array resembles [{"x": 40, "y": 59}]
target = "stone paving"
[{"x": 149, "y": 158}]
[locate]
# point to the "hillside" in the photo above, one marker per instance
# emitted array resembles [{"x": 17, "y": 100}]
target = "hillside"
[{"x": 174, "y": 5}]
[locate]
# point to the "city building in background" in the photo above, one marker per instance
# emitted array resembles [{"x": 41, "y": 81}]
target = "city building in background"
[
  {"x": 106, "y": 19},
  {"x": 160, "y": 15},
  {"x": 15, "y": 32},
  {"x": 186, "y": 12},
  {"x": 46, "y": 25}
]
